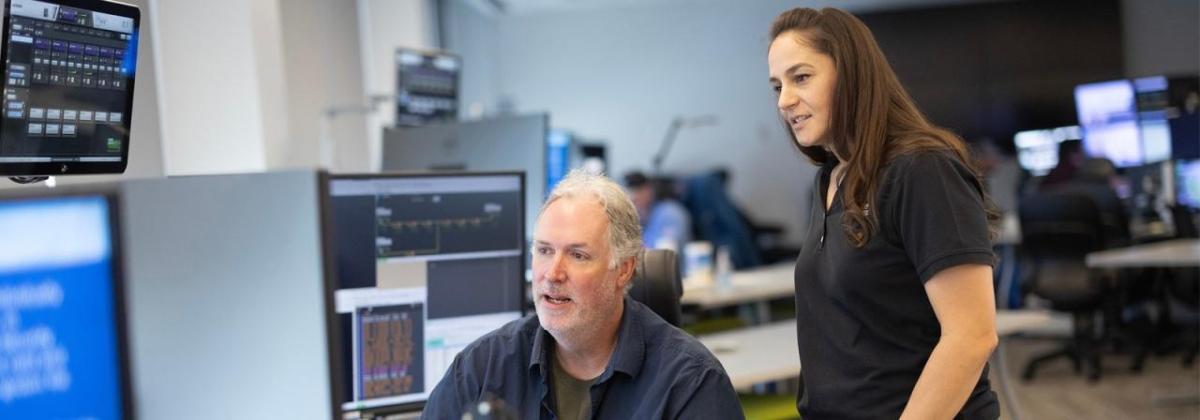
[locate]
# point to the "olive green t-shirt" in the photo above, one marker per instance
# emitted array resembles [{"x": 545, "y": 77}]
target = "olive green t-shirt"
[{"x": 572, "y": 398}]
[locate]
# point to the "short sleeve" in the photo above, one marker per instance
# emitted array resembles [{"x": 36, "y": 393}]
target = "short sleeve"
[{"x": 939, "y": 214}]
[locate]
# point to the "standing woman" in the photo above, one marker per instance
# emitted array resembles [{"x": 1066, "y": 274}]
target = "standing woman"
[{"x": 895, "y": 314}]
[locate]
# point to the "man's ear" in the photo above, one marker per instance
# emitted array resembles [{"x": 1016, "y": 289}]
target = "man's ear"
[{"x": 625, "y": 271}]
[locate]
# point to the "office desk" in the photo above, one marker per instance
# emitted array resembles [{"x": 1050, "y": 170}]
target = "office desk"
[
  {"x": 768, "y": 353},
  {"x": 1173, "y": 253},
  {"x": 754, "y": 286}
]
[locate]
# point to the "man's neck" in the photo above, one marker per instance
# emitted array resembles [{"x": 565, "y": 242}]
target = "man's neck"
[{"x": 586, "y": 356}]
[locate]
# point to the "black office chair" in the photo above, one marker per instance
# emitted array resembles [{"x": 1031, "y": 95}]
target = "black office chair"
[
  {"x": 657, "y": 284},
  {"x": 1058, "y": 230}
]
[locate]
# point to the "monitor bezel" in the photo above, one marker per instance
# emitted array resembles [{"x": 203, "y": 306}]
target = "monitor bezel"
[
  {"x": 109, "y": 193},
  {"x": 336, "y": 374},
  {"x": 79, "y": 168}
]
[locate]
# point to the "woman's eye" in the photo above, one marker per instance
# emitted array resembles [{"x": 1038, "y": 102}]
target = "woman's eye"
[{"x": 801, "y": 78}]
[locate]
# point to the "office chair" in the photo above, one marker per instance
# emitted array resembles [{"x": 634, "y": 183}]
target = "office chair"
[
  {"x": 1059, "y": 230},
  {"x": 657, "y": 284}
]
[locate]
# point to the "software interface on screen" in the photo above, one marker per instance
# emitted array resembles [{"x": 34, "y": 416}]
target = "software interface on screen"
[
  {"x": 59, "y": 348},
  {"x": 1037, "y": 150},
  {"x": 1109, "y": 120},
  {"x": 68, "y": 74},
  {"x": 425, "y": 266}
]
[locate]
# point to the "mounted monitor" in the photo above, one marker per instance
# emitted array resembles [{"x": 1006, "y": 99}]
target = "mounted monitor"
[
  {"x": 426, "y": 86},
  {"x": 426, "y": 264},
  {"x": 1037, "y": 150},
  {"x": 69, "y": 69},
  {"x": 1187, "y": 183},
  {"x": 511, "y": 143},
  {"x": 1108, "y": 115},
  {"x": 62, "y": 325}
]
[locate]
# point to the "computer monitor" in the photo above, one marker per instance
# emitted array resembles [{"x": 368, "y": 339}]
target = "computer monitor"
[
  {"x": 1037, "y": 150},
  {"x": 62, "y": 332},
  {"x": 426, "y": 86},
  {"x": 69, "y": 69},
  {"x": 1108, "y": 116},
  {"x": 426, "y": 264},
  {"x": 1187, "y": 183},
  {"x": 1152, "y": 112},
  {"x": 509, "y": 143}
]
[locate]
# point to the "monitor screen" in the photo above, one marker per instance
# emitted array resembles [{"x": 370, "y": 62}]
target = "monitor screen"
[
  {"x": 426, "y": 86},
  {"x": 1037, "y": 150},
  {"x": 1107, "y": 114},
  {"x": 1152, "y": 107},
  {"x": 426, "y": 264},
  {"x": 68, "y": 86},
  {"x": 61, "y": 331},
  {"x": 1187, "y": 183}
]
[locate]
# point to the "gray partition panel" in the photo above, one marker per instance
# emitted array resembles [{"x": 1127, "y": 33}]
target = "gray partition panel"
[
  {"x": 510, "y": 143},
  {"x": 226, "y": 290}
]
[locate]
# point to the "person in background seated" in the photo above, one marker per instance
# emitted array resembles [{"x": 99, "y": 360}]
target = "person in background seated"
[
  {"x": 666, "y": 224},
  {"x": 1070, "y": 158},
  {"x": 590, "y": 351}
]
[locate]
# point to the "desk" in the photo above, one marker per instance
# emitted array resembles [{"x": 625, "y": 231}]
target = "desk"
[
  {"x": 755, "y": 286},
  {"x": 768, "y": 353},
  {"x": 1173, "y": 253}
]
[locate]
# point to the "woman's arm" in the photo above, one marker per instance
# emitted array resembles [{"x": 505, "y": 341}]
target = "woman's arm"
[{"x": 963, "y": 301}]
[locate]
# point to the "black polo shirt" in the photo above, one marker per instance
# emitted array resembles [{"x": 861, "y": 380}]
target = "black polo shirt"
[
  {"x": 656, "y": 371},
  {"x": 864, "y": 323}
]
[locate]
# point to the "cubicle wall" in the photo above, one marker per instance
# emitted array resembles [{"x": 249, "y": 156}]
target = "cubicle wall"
[{"x": 227, "y": 297}]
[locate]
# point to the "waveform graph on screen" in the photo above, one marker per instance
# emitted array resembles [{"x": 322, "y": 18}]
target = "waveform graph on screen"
[
  {"x": 431, "y": 224},
  {"x": 391, "y": 352}
]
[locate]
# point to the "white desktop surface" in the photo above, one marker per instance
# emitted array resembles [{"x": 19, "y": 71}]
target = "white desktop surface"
[
  {"x": 754, "y": 285},
  {"x": 767, "y": 353},
  {"x": 1173, "y": 253}
]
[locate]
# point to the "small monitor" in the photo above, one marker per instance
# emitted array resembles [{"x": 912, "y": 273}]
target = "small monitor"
[
  {"x": 1108, "y": 116},
  {"x": 426, "y": 264},
  {"x": 1153, "y": 113},
  {"x": 1037, "y": 150},
  {"x": 62, "y": 334},
  {"x": 1187, "y": 183},
  {"x": 426, "y": 86},
  {"x": 69, "y": 68}
]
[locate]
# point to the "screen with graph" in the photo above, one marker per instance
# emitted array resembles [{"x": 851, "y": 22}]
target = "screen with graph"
[{"x": 426, "y": 264}]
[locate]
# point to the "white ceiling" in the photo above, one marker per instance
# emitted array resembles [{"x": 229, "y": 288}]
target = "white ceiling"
[{"x": 530, "y": 7}]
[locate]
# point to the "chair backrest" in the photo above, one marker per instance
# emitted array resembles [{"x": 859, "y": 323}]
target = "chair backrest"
[
  {"x": 657, "y": 284},
  {"x": 1058, "y": 230}
]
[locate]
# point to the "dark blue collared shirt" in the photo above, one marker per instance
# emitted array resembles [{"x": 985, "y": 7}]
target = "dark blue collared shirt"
[{"x": 656, "y": 371}]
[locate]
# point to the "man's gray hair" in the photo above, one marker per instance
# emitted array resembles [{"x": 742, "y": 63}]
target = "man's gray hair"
[{"x": 624, "y": 232}]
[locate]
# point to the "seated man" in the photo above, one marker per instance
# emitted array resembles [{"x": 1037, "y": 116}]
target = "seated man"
[
  {"x": 666, "y": 224},
  {"x": 590, "y": 351}
]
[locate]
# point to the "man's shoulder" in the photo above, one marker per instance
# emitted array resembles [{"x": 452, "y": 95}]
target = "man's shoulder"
[
  {"x": 514, "y": 338},
  {"x": 670, "y": 346}
]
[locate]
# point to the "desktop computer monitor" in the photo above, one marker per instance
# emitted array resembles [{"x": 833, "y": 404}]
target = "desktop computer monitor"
[
  {"x": 62, "y": 333},
  {"x": 1037, "y": 150},
  {"x": 1187, "y": 183},
  {"x": 1153, "y": 113},
  {"x": 426, "y": 264},
  {"x": 1108, "y": 115}
]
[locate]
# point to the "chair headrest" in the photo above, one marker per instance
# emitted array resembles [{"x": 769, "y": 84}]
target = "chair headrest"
[{"x": 657, "y": 284}]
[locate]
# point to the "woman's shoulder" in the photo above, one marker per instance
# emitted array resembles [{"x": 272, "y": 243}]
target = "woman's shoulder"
[{"x": 922, "y": 163}]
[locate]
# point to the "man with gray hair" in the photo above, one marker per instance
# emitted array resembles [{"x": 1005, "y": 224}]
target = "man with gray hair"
[{"x": 590, "y": 351}]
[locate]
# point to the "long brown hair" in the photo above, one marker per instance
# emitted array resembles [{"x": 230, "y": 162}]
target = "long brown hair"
[{"x": 874, "y": 120}]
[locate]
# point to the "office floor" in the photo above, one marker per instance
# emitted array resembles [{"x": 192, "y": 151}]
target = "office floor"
[{"x": 1058, "y": 393}]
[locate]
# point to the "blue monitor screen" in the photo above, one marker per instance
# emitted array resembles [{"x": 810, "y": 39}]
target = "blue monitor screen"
[
  {"x": 1107, "y": 113},
  {"x": 59, "y": 340},
  {"x": 1187, "y": 183}
]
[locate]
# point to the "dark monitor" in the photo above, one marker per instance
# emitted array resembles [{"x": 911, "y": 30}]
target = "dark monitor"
[
  {"x": 1187, "y": 183},
  {"x": 1108, "y": 115},
  {"x": 426, "y": 86},
  {"x": 62, "y": 332},
  {"x": 511, "y": 143},
  {"x": 1037, "y": 150},
  {"x": 426, "y": 264},
  {"x": 69, "y": 69}
]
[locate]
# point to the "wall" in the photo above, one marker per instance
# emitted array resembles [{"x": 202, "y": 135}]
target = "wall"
[{"x": 1161, "y": 37}]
